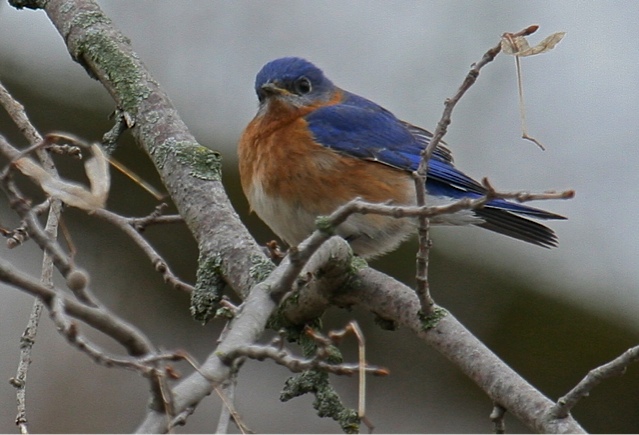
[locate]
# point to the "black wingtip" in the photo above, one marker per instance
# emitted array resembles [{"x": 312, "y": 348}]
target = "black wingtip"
[{"x": 512, "y": 225}]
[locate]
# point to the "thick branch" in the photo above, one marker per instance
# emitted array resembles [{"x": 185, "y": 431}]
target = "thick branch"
[
  {"x": 247, "y": 326},
  {"x": 190, "y": 172},
  {"x": 392, "y": 300}
]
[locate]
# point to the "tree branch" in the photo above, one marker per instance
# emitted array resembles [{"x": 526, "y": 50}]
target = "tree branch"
[
  {"x": 127, "y": 226},
  {"x": 393, "y": 300},
  {"x": 245, "y": 328},
  {"x": 100, "y": 318},
  {"x": 190, "y": 171},
  {"x": 18, "y": 115},
  {"x": 596, "y": 376}
]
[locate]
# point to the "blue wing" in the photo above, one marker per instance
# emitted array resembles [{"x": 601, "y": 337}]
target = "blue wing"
[{"x": 360, "y": 128}]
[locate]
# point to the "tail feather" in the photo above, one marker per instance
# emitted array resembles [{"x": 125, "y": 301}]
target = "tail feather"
[{"x": 512, "y": 225}]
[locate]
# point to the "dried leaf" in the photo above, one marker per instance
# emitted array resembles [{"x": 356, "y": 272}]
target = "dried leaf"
[
  {"x": 73, "y": 194},
  {"x": 97, "y": 169},
  {"x": 31, "y": 169},
  {"x": 513, "y": 44},
  {"x": 518, "y": 45}
]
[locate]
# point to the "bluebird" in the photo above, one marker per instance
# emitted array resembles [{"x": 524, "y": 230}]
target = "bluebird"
[{"x": 313, "y": 147}]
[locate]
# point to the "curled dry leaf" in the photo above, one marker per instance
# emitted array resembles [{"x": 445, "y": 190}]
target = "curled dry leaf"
[
  {"x": 97, "y": 169},
  {"x": 74, "y": 194},
  {"x": 518, "y": 45}
]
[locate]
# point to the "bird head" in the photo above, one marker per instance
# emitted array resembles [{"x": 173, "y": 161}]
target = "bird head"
[{"x": 294, "y": 81}]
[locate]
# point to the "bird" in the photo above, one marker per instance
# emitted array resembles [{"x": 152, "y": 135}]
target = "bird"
[{"x": 313, "y": 147}]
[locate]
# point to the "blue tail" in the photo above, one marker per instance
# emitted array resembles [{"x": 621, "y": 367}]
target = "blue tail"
[
  {"x": 505, "y": 222},
  {"x": 499, "y": 215}
]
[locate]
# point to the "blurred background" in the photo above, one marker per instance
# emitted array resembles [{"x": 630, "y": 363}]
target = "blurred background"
[{"x": 551, "y": 314}]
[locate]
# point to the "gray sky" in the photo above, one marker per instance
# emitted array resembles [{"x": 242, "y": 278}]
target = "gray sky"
[{"x": 582, "y": 101}]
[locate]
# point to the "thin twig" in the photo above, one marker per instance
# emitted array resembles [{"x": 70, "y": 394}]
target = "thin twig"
[
  {"x": 180, "y": 419},
  {"x": 27, "y": 340},
  {"x": 140, "y": 224},
  {"x": 297, "y": 365},
  {"x": 16, "y": 237},
  {"x": 65, "y": 149},
  {"x": 336, "y": 336},
  {"x": 282, "y": 356},
  {"x": 155, "y": 218},
  {"x": 615, "y": 367},
  {"x": 19, "y": 116},
  {"x": 20, "y": 235},
  {"x": 137, "y": 179},
  {"x": 228, "y": 411},
  {"x": 422, "y": 286},
  {"x": 126, "y": 225},
  {"x": 227, "y": 392},
  {"x": 70, "y": 330},
  {"x": 362, "y": 207},
  {"x": 497, "y": 417},
  {"x": 110, "y": 138},
  {"x": 422, "y": 257}
]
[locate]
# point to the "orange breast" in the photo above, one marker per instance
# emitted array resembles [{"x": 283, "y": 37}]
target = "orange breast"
[{"x": 281, "y": 156}]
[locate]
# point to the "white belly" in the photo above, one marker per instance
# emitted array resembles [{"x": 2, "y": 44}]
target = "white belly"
[{"x": 369, "y": 235}]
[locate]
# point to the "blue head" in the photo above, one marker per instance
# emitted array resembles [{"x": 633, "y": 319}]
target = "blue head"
[{"x": 293, "y": 80}]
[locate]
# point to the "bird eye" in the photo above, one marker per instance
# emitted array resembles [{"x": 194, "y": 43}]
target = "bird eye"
[{"x": 302, "y": 86}]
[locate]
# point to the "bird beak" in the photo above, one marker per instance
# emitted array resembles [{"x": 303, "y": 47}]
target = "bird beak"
[{"x": 270, "y": 89}]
